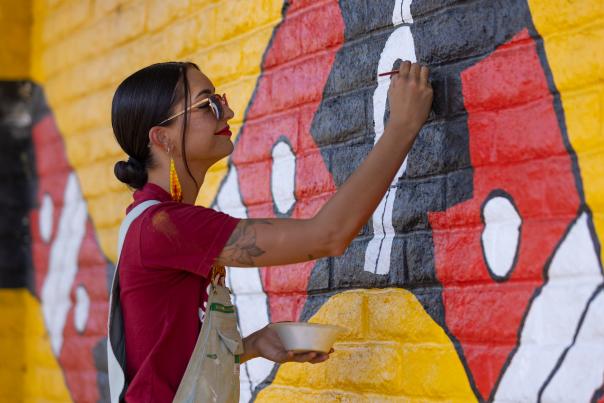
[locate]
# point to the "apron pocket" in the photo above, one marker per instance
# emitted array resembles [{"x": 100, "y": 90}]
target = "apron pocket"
[{"x": 232, "y": 340}]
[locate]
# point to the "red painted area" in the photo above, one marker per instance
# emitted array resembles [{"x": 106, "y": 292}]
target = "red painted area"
[
  {"x": 286, "y": 99},
  {"x": 515, "y": 145},
  {"x": 76, "y": 355}
]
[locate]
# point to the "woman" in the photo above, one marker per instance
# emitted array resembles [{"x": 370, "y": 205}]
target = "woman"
[{"x": 173, "y": 127}]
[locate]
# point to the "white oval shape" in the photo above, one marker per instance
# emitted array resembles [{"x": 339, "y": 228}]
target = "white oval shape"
[
  {"x": 45, "y": 218},
  {"x": 501, "y": 235},
  {"x": 82, "y": 308},
  {"x": 283, "y": 173}
]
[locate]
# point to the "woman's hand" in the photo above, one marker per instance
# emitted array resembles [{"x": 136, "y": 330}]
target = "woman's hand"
[
  {"x": 410, "y": 97},
  {"x": 266, "y": 343}
]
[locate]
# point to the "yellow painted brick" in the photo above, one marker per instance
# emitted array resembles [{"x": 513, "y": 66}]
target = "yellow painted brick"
[
  {"x": 239, "y": 17},
  {"x": 278, "y": 394},
  {"x": 107, "y": 33},
  {"x": 211, "y": 182},
  {"x": 94, "y": 145},
  {"x": 351, "y": 308},
  {"x": 177, "y": 39},
  {"x": 14, "y": 57},
  {"x": 52, "y": 4},
  {"x": 106, "y": 6},
  {"x": 433, "y": 381},
  {"x": 15, "y": 11},
  {"x": 393, "y": 315},
  {"x": 161, "y": 12},
  {"x": 208, "y": 27},
  {"x": 585, "y": 66},
  {"x": 36, "y": 63},
  {"x": 89, "y": 75},
  {"x": 29, "y": 370},
  {"x": 109, "y": 208},
  {"x": 253, "y": 48},
  {"x": 592, "y": 172},
  {"x": 95, "y": 178},
  {"x": 220, "y": 63},
  {"x": 584, "y": 116},
  {"x": 90, "y": 111},
  {"x": 198, "y": 4},
  {"x": 306, "y": 395},
  {"x": 555, "y": 16},
  {"x": 382, "y": 360},
  {"x": 64, "y": 19},
  {"x": 420, "y": 370}
]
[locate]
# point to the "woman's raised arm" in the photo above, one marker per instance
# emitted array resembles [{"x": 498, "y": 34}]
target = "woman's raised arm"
[{"x": 267, "y": 242}]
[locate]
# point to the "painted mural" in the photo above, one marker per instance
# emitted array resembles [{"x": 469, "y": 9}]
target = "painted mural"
[{"x": 478, "y": 278}]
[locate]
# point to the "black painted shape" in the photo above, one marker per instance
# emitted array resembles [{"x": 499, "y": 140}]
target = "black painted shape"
[
  {"x": 341, "y": 118},
  {"x": 413, "y": 198},
  {"x": 99, "y": 355},
  {"x": 19, "y": 110},
  {"x": 320, "y": 277}
]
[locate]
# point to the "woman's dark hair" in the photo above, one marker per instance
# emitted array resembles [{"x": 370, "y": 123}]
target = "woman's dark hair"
[{"x": 140, "y": 102}]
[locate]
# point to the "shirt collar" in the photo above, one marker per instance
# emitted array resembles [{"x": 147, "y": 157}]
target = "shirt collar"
[{"x": 150, "y": 191}]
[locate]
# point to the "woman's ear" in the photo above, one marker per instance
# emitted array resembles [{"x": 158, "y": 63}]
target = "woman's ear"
[{"x": 159, "y": 138}]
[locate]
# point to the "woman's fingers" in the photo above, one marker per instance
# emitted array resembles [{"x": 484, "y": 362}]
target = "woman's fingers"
[
  {"x": 414, "y": 72},
  {"x": 424, "y": 74},
  {"x": 404, "y": 68},
  {"x": 313, "y": 357}
]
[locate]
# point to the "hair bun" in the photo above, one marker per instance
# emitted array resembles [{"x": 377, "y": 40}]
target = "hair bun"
[{"x": 131, "y": 172}]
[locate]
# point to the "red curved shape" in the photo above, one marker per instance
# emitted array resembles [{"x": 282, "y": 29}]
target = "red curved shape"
[
  {"x": 516, "y": 145},
  {"x": 76, "y": 355},
  {"x": 287, "y": 96}
]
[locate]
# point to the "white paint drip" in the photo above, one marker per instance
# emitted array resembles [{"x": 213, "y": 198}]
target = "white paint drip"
[
  {"x": 500, "y": 235},
  {"x": 399, "y": 45},
  {"x": 553, "y": 317},
  {"x": 63, "y": 264},
  {"x": 402, "y": 12}
]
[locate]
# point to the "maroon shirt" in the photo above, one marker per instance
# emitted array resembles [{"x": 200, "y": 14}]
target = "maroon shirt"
[{"x": 164, "y": 268}]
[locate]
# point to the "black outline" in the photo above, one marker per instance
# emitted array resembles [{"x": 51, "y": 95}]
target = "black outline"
[
  {"x": 560, "y": 360},
  {"x": 500, "y": 193},
  {"x": 575, "y": 168}
]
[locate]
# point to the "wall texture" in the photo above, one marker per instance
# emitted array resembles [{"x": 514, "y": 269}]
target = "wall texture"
[{"x": 479, "y": 277}]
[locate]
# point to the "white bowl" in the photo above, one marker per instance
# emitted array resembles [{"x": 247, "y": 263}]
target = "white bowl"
[{"x": 301, "y": 336}]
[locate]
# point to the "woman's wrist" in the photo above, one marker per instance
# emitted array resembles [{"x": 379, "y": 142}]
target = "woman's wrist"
[{"x": 250, "y": 350}]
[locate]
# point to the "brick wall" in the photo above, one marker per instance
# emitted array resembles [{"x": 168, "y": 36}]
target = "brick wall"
[{"x": 479, "y": 277}]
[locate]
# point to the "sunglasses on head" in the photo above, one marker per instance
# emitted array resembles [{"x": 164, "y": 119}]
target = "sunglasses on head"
[{"x": 215, "y": 102}]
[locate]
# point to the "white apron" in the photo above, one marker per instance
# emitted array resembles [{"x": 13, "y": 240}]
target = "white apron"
[{"x": 212, "y": 374}]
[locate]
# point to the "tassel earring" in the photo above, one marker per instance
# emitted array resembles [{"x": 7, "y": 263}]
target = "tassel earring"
[{"x": 175, "y": 189}]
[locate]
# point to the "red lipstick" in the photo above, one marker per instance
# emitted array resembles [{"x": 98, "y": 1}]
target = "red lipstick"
[{"x": 224, "y": 132}]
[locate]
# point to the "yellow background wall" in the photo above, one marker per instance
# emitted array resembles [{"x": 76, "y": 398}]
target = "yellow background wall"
[
  {"x": 84, "y": 49},
  {"x": 80, "y": 50}
]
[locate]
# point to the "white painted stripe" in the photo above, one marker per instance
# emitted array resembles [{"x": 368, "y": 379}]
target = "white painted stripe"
[{"x": 553, "y": 316}]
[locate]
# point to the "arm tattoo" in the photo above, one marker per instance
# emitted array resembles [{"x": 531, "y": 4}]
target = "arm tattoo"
[{"x": 241, "y": 246}]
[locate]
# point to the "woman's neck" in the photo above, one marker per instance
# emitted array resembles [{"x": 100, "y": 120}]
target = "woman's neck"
[{"x": 161, "y": 177}]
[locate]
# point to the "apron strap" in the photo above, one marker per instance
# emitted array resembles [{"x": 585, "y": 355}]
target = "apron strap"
[{"x": 116, "y": 342}]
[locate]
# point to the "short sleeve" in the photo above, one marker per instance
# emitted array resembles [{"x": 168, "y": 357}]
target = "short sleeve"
[{"x": 184, "y": 237}]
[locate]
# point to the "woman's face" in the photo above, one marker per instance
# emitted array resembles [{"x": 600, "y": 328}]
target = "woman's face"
[{"x": 203, "y": 145}]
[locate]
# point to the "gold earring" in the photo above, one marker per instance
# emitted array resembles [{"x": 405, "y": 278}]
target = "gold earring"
[{"x": 175, "y": 189}]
